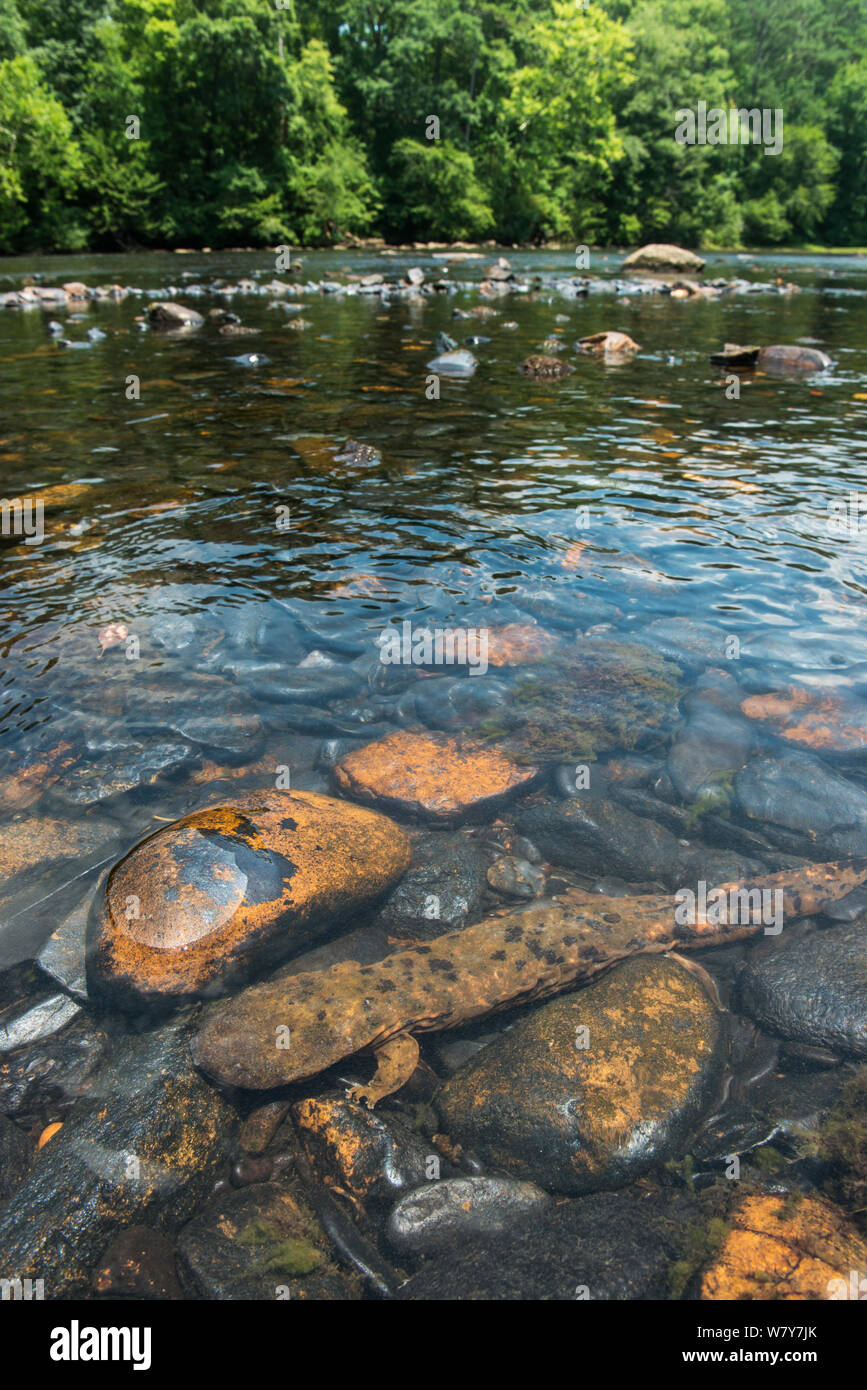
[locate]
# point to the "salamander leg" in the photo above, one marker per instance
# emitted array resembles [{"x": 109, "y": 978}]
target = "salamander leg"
[{"x": 396, "y": 1060}]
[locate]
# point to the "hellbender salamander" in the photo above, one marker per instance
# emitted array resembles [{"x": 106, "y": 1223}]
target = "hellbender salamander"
[{"x": 290, "y": 1029}]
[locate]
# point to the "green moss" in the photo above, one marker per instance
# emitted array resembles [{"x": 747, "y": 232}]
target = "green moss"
[
  {"x": 768, "y": 1159},
  {"x": 601, "y": 697},
  {"x": 286, "y": 1255},
  {"x": 842, "y": 1143},
  {"x": 717, "y": 798},
  {"x": 700, "y": 1245}
]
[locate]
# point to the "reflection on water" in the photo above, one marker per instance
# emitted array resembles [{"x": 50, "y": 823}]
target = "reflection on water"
[{"x": 200, "y": 501}]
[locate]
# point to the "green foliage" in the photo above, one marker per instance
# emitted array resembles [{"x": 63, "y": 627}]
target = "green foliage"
[{"x": 556, "y": 119}]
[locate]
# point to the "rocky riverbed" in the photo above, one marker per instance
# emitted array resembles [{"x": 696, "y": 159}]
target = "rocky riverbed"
[{"x": 306, "y": 673}]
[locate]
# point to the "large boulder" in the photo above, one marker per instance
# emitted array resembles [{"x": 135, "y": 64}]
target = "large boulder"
[
  {"x": 228, "y": 891},
  {"x": 662, "y": 256},
  {"x": 596, "y": 1087}
]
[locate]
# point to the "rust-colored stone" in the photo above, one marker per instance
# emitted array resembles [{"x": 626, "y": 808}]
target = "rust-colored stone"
[
  {"x": 783, "y": 1251},
  {"x": 612, "y": 343},
  {"x": 438, "y": 777},
  {"x": 210, "y": 898},
  {"x": 818, "y": 719},
  {"x": 517, "y": 643}
]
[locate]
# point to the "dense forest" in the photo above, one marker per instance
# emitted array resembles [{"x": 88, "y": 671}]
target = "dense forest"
[{"x": 247, "y": 122}]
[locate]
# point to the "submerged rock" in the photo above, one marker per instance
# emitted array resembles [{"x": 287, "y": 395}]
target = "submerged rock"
[
  {"x": 375, "y": 1157},
  {"x": 611, "y": 1245},
  {"x": 441, "y": 891},
  {"x": 783, "y": 1250},
  {"x": 811, "y": 987},
  {"x": 437, "y": 777},
  {"x": 16, "y": 1156},
  {"x": 456, "y": 1210},
  {"x": 139, "y": 1263},
  {"x": 596, "y": 835},
  {"x": 802, "y": 805},
  {"x": 545, "y": 368},
  {"x": 261, "y": 1243},
  {"x": 594, "y": 1088},
  {"x": 220, "y": 893},
  {"x": 599, "y": 695},
  {"x": 145, "y": 1146},
  {"x": 826, "y": 721}
]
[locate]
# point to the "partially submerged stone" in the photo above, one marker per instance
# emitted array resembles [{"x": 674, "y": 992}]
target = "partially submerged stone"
[
  {"x": 785, "y": 357},
  {"x": 662, "y": 256},
  {"x": 459, "y": 363},
  {"x": 594, "y": 1088},
  {"x": 172, "y": 317},
  {"x": 228, "y": 891},
  {"x": 437, "y": 777},
  {"x": 781, "y": 1250},
  {"x": 734, "y": 355},
  {"x": 613, "y": 344}
]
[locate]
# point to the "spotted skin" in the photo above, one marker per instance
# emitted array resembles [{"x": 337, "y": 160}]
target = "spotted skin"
[{"x": 522, "y": 955}]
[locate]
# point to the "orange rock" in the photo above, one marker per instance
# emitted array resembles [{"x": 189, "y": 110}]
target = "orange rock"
[
  {"x": 517, "y": 643},
  {"x": 48, "y": 1133},
  {"x": 439, "y": 777},
  {"x": 609, "y": 342},
  {"x": 811, "y": 718},
  {"x": 785, "y": 1252},
  {"x": 205, "y": 901}
]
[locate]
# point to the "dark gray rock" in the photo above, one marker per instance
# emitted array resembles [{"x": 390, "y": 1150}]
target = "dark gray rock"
[
  {"x": 441, "y": 892},
  {"x": 811, "y": 987},
  {"x": 145, "y": 1145},
  {"x": 802, "y": 805},
  {"x": 596, "y": 835},
  {"x": 16, "y": 1156}
]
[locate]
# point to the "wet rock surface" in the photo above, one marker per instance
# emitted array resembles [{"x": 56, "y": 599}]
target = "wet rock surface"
[
  {"x": 375, "y": 1156},
  {"x": 138, "y": 1264},
  {"x": 594, "y": 1088},
  {"x": 223, "y": 892},
  {"x": 144, "y": 1147},
  {"x": 596, "y": 835},
  {"x": 444, "y": 1214},
  {"x": 803, "y": 805},
  {"x": 805, "y": 1250},
  {"x": 811, "y": 987},
  {"x": 441, "y": 891},
  {"x": 612, "y": 1245},
  {"x": 260, "y": 1243},
  {"x": 433, "y": 777}
]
